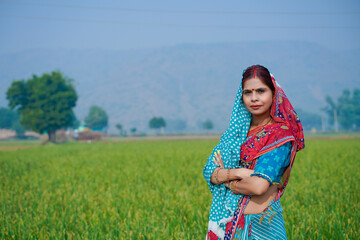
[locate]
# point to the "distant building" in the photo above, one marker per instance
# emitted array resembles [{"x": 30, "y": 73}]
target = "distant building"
[
  {"x": 7, "y": 134},
  {"x": 84, "y": 133}
]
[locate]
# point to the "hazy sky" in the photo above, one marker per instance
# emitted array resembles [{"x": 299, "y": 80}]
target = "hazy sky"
[{"x": 111, "y": 24}]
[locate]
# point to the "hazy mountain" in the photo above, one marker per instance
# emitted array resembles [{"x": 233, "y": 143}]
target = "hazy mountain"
[{"x": 193, "y": 82}]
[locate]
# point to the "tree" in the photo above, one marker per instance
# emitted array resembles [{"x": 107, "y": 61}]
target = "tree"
[
  {"x": 120, "y": 128},
  {"x": 208, "y": 124},
  {"x": 346, "y": 111},
  {"x": 157, "y": 123},
  {"x": 356, "y": 104},
  {"x": 133, "y": 130},
  {"x": 7, "y": 118},
  {"x": 331, "y": 109},
  {"x": 75, "y": 123},
  {"x": 97, "y": 118},
  {"x": 18, "y": 128},
  {"x": 45, "y": 102}
]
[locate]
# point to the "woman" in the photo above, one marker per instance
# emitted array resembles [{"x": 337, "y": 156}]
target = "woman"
[{"x": 248, "y": 170}]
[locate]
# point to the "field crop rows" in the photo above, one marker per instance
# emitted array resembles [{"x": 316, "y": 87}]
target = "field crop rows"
[{"x": 156, "y": 190}]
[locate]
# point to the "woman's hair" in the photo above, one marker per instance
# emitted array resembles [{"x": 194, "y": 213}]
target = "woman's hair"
[{"x": 258, "y": 71}]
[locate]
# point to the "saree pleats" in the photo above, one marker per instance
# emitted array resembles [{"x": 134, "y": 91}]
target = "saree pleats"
[{"x": 266, "y": 225}]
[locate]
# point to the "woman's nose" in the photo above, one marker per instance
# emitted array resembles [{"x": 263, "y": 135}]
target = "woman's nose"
[{"x": 254, "y": 96}]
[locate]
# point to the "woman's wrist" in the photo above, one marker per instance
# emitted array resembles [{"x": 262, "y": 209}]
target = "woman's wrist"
[
  {"x": 225, "y": 175},
  {"x": 232, "y": 185},
  {"x": 216, "y": 172},
  {"x": 242, "y": 173},
  {"x": 230, "y": 174}
]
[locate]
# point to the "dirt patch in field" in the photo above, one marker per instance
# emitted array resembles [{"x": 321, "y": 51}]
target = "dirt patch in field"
[
  {"x": 166, "y": 138},
  {"x": 14, "y": 148},
  {"x": 207, "y": 137}
]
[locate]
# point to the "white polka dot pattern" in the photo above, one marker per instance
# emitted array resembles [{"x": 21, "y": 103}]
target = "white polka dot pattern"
[{"x": 224, "y": 202}]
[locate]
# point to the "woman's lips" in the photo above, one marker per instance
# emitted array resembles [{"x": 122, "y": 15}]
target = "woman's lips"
[{"x": 255, "y": 106}]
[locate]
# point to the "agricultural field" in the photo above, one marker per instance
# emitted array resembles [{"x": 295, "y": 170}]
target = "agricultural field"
[{"x": 156, "y": 190}]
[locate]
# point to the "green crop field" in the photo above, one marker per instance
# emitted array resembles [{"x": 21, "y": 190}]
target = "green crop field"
[{"x": 156, "y": 190}]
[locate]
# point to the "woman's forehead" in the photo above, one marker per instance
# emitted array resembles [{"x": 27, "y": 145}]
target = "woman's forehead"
[{"x": 254, "y": 83}]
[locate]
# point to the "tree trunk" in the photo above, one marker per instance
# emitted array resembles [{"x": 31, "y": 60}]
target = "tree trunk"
[
  {"x": 52, "y": 136},
  {"x": 336, "y": 121}
]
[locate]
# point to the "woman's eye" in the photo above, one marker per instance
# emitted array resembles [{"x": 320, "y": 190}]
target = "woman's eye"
[
  {"x": 261, "y": 90},
  {"x": 247, "y": 92}
]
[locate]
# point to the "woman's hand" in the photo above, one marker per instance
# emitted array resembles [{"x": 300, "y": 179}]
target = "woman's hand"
[
  {"x": 224, "y": 175},
  {"x": 217, "y": 160}
]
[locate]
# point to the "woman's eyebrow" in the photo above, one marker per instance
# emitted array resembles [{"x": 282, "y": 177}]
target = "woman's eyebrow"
[{"x": 253, "y": 89}]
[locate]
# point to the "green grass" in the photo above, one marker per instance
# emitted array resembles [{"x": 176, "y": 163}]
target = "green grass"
[
  {"x": 156, "y": 190},
  {"x": 322, "y": 200}
]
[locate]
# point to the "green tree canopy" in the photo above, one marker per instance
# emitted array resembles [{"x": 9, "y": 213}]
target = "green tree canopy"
[
  {"x": 346, "y": 109},
  {"x": 75, "y": 123},
  {"x": 157, "y": 123},
  {"x": 18, "y": 128},
  {"x": 133, "y": 130},
  {"x": 208, "y": 124},
  {"x": 44, "y": 102},
  {"x": 8, "y": 118},
  {"x": 356, "y": 107},
  {"x": 97, "y": 118},
  {"x": 121, "y": 129}
]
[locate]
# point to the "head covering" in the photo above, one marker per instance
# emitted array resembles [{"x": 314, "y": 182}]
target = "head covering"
[{"x": 283, "y": 112}]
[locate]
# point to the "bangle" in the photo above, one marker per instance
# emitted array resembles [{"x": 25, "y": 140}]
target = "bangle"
[
  {"x": 216, "y": 175},
  {"x": 227, "y": 175},
  {"x": 232, "y": 186}
]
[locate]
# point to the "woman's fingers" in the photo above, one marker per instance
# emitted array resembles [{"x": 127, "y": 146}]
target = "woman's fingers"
[{"x": 218, "y": 159}]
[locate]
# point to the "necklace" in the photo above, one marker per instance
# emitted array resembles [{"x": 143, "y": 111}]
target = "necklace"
[
  {"x": 268, "y": 122},
  {"x": 263, "y": 124}
]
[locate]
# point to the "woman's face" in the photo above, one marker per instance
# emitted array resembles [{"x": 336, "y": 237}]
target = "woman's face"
[{"x": 257, "y": 97}]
